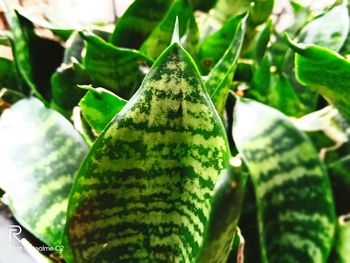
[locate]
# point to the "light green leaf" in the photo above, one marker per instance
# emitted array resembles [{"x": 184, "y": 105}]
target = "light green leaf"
[
  {"x": 119, "y": 70},
  {"x": 99, "y": 107},
  {"x": 295, "y": 204},
  {"x": 138, "y": 22},
  {"x": 145, "y": 188},
  {"x": 162, "y": 34},
  {"x": 325, "y": 72},
  {"x": 40, "y": 155},
  {"x": 342, "y": 240}
]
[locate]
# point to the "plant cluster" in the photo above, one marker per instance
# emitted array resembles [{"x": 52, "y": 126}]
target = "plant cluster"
[{"x": 192, "y": 130}]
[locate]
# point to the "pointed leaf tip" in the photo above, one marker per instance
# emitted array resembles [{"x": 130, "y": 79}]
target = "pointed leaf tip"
[{"x": 176, "y": 33}]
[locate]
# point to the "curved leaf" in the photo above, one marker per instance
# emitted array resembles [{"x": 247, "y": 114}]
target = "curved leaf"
[
  {"x": 296, "y": 211},
  {"x": 128, "y": 31},
  {"x": 226, "y": 208},
  {"x": 40, "y": 154},
  {"x": 144, "y": 190},
  {"x": 325, "y": 72},
  {"x": 119, "y": 70},
  {"x": 99, "y": 106},
  {"x": 162, "y": 34}
]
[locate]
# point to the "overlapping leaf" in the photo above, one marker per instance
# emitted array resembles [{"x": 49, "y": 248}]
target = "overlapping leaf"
[
  {"x": 119, "y": 70},
  {"x": 40, "y": 154},
  {"x": 295, "y": 205},
  {"x": 144, "y": 190},
  {"x": 99, "y": 107},
  {"x": 161, "y": 37}
]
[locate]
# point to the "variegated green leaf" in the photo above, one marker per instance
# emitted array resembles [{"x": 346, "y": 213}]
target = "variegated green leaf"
[
  {"x": 221, "y": 75},
  {"x": 325, "y": 72},
  {"x": 162, "y": 34},
  {"x": 99, "y": 107},
  {"x": 138, "y": 22},
  {"x": 40, "y": 154},
  {"x": 119, "y": 70},
  {"x": 143, "y": 193},
  {"x": 225, "y": 212},
  {"x": 295, "y": 204}
]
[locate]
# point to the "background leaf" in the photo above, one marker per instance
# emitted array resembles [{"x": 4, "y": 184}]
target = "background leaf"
[
  {"x": 295, "y": 205},
  {"x": 40, "y": 154}
]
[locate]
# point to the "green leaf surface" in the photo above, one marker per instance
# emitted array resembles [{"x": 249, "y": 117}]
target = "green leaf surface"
[
  {"x": 36, "y": 58},
  {"x": 283, "y": 97},
  {"x": 262, "y": 42},
  {"x": 226, "y": 208},
  {"x": 160, "y": 38},
  {"x": 99, "y": 107},
  {"x": 324, "y": 72},
  {"x": 40, "y": 154},
  {"x": 65, "y": 93},
  {"x": 203, "y": 5},
  {"x": 215, "y": 45},
  {"x": 8, "y": 74},
  {"x": 342, "y": 240},
  {"x": 219, "y": 78},
  {"x": 329, "y": 30},
  {"x": 138, "y": 22},
  {"x": 295, "y": 204},
  {"x": 146, "y": 185},
  {"x": 119, "y": 70}
]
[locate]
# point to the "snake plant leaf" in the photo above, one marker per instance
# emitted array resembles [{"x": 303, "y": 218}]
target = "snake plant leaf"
[
  {"x": 282, "y": 97},
  {"x": 119, "y": 70},
  {"x": 215, "y": 45},
  {"x": 144, "y": 190},
  {"x": 160, "y": 38},
  {"x": 41, "y": 152},
  {"x": 226, "y": 207},
  {"x": 261, "y": 81},
  {"x": 99, "y": 106},
  {"x": 148, "y": 13},
  {"x": 295, "y": 204},
  {"x": 219, "y": 77},
  {"x": 8, "y": 75},
  {"x": 342, "y": 240},
  {"x": 36, "y": 58},
  {"x": 329, "y": 30},
  {"x": 65, "y": 93},
  {"x": 325, "y": 72}
]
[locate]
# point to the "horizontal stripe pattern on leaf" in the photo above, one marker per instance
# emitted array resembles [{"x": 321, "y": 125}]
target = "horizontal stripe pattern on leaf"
[
  {"x": 296, "y": 211},
  {"x": 41, "y": 152},
  {"x": 143, "y": 193}
]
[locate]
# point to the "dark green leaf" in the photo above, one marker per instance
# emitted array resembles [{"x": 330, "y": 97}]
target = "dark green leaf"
[
  {"x": 40, "y": 154},
  {"x": 262, "y": 42},
  {"x": 145, "y": 188},
  {"x": 99, "y": 107},
  {"x": 8, "y": 75},
  {"x": 162, "y": 34},
  {"x": 215, "y": 45},
  {"x": 36, "y": 58},
  {"x": 295, "y": 205},
  {"x": 138, "y": 22},
  {"x": 226, "y": 208},
  {"x": 119, "y": 70},
  {"x": 325, "y": 72},
  {"x": 204, "y": 5},
  {"x": 65, "y": 93},
  {"x": 282, "y": 96}
]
